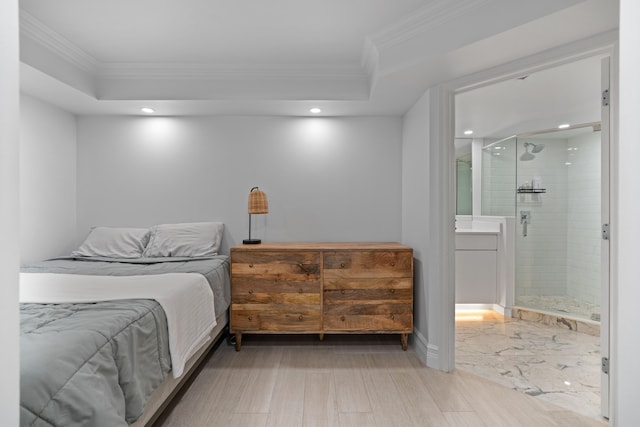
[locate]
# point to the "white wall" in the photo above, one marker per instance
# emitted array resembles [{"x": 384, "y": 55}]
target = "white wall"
[
  {"x": 428, "y": 221},
  {"x": 47, "y": 180},
  {"x": 415, "y": 207},
  {"x": 327, "y": 179},
  {"x": 626, "y": 292},
  {"x": 9, "y": 212}
]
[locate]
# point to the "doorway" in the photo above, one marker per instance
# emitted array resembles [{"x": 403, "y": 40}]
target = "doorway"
[{"x": 549, "y": 260}]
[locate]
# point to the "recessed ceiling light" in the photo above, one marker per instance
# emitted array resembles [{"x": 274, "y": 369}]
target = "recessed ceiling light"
[
  {"x": 147, "y": 110},
  {"x": 564, "y": 126},
  {"x": 315, "y": 110},
  {"x": 468, "y": 132}
]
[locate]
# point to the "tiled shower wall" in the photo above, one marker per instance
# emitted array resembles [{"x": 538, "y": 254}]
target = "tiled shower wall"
[
  {"x": 541, "y": 256},
  {"x": 561, "y": 253}
]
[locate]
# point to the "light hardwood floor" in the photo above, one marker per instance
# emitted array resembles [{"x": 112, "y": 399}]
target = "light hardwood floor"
[{"x": 347, "y": 381}]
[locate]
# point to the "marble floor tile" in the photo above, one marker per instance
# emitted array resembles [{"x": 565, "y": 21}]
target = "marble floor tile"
[{"x": 551, "y": 364}]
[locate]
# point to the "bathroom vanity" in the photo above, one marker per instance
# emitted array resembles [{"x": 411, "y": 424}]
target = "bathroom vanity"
[{"x": 477, "y": 266}]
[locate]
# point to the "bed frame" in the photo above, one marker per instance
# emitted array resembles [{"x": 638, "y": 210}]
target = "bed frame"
[{"x": 163, "y": 395}]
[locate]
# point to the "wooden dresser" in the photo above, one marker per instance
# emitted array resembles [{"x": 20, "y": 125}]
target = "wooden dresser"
[{"x": 318, "y": 288}]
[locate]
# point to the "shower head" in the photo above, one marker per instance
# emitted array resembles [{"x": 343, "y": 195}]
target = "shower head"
[
  {"x": 536, "y": 147},
  {"x": 527, "y": 156}
]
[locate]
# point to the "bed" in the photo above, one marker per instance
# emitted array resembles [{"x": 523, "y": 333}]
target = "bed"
[{"x": 107, "y": 340}]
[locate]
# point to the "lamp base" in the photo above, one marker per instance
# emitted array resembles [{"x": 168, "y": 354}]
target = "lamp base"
[{"x": 251, "y": 241}]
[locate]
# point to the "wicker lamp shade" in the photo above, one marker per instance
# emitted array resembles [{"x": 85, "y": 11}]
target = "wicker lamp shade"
[{"x": 258, "y": 203}]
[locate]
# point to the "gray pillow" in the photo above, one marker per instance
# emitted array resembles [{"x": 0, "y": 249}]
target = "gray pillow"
[
  {"x": 195, "y": 239},
  {"x": 113, "y": 242}
]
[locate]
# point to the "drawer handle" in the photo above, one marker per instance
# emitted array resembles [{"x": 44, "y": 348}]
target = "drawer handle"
[
  {"x": 342, "y": 291},
  {"x": 250, "y": 317},
  {"x": 300, "y": 317},
  {"x": 393, "y": 317},
  {"x": 393, "y": 264},
  {"x": 342, "y": 318},
  {"x": 250, "y": 265},
  {"x": 342, "y": 265},
  {"x": 250, "y": 291},
  {"x": 393, "y": 291},
  {"x": 300, "y": 290}
]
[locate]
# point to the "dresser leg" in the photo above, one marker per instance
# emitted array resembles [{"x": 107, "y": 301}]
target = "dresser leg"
[
  {"x": 403, "y": 340},
  {"x": 321, "y": 336},
  {"x": 238, "y": 340}
]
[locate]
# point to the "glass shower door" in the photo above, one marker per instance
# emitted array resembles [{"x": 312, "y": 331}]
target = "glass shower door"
[{"x": 558, "y": 216}]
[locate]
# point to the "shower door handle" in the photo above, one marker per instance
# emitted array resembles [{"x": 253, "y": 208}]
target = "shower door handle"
[{"x": 525, "y": 219}]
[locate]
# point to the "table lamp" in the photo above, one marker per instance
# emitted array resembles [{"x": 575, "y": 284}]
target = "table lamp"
[{"x": 258, "y": 204}]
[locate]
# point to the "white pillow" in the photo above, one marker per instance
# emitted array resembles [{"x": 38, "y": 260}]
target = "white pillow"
[
  {"x": 196, "y": 239},
  {"x": 114, "y": 242}
]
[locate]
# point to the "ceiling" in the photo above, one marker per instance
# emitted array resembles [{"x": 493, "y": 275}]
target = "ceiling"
[
  {"x": 357, "y": 57},
  {"x": 567, "y": 94}
]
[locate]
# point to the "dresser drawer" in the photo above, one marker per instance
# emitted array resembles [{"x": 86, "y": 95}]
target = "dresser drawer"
[
  {"x": 252, "y": 290},
  {"x": 283, "y": 266},
  {"x": 368, "y": 264},
  {"x": 397, "y": 322},
  {"x": 246, "y": 318},
  {"x": 374, "y": 296},
  {"x": 387, "y": 283}
]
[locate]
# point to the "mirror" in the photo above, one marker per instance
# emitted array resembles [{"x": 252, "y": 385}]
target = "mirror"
[{"x": 464, "y": 187}]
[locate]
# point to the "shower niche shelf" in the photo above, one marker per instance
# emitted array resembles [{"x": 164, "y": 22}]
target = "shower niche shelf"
[{"x": 531, "y": 190}]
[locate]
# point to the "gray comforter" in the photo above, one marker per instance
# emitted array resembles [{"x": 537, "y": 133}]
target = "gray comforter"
[{"x": 97, "y": 364}]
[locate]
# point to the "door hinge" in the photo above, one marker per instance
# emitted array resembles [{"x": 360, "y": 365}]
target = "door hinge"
[
  {"x": 605, "y": 98},
  {"x": 605, "y": 365},
  {"x": 605, "y": 231}
]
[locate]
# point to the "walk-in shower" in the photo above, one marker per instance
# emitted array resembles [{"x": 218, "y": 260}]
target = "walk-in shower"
[{"x": 551, "y": 183}]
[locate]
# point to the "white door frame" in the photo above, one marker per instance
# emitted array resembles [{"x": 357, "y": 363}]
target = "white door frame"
[
  {"x": 602, "y": 45},
  {"x": 605, "y": 248}
]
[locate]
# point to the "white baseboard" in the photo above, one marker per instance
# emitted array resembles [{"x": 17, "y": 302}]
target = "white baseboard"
[
  {"x": 428, "y": 354},
  {"x": 421, "y": 346},
  {"x": 433, "y": 357}
]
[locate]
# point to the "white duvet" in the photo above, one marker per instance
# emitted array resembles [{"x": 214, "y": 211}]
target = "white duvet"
[{"x": 186, "y": 299}]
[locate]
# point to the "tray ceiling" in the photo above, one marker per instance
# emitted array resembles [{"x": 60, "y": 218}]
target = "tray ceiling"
[{"x": 275, "y": 57}]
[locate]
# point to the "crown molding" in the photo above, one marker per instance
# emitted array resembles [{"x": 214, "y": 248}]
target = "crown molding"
[
  {"x": 174, "y": 70},
  {"x": 41, "y": 34},
  {"x": 55, "y": 43},
  {"x": 420, "y": 21},
  {"x": 370, "y": 60}
]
